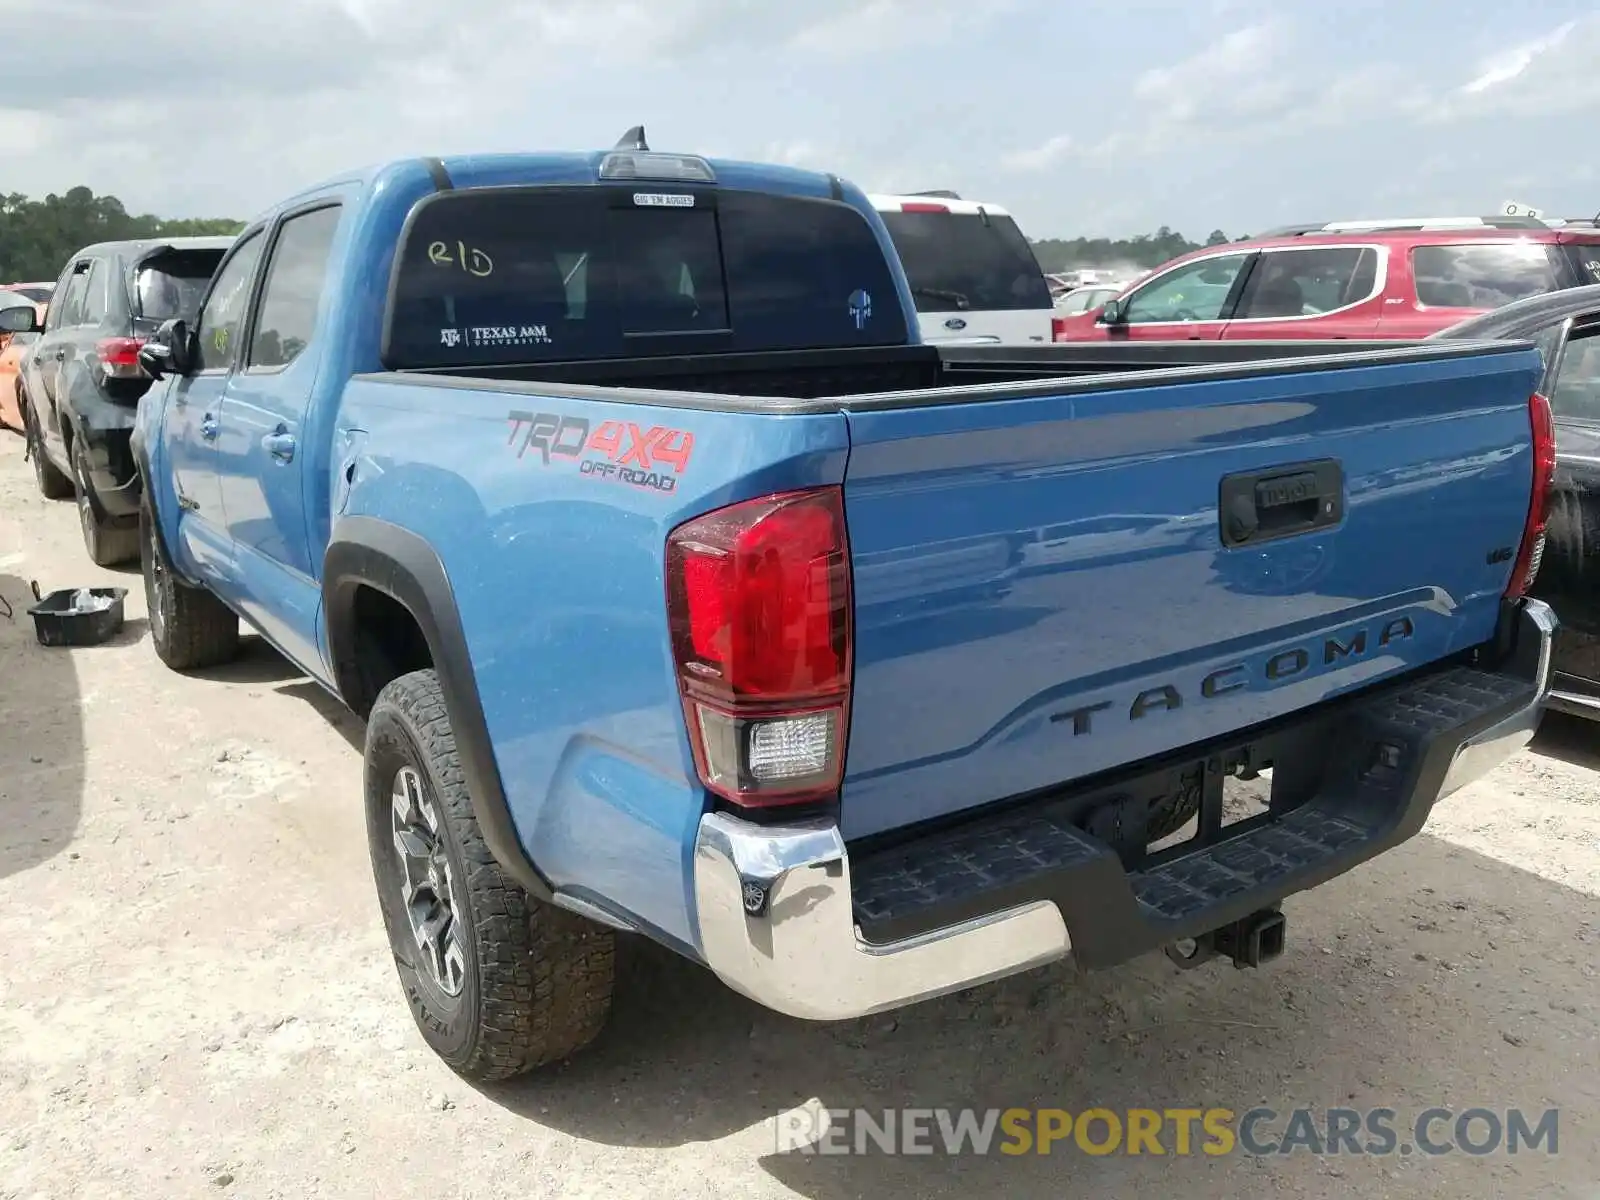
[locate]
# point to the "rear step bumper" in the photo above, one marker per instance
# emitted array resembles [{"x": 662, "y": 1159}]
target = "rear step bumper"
[{"x": 787, "y": 919}]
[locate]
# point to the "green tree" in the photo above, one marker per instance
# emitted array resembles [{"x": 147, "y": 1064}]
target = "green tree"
[
  {"x": 1142, "y": 251},
  {"x": 37, "y": 237}
]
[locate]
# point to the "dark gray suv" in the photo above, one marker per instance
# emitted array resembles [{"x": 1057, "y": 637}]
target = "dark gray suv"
[{"x": 82, "y": 381}]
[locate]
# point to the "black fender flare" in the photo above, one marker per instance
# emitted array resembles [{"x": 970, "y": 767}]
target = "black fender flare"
[
  {"x": 368, "y": 552},
  {"x": 147, "y": 498}
]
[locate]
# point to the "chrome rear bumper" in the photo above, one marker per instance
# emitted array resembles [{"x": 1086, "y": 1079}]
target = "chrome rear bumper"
[{"x": 777, "y": 913}]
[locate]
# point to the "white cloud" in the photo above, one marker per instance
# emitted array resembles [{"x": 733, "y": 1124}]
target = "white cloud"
[
  {"x": 1505, "y": 67},
  {"x": 1234, "y": 83},
  {"x": 272, "y": 97},
  {"x": 877, "y": 24},
  {"x": 1551, "y": 75},
  {"x": 795, "y": 154},
  {"x": 1037, "y": 158}
]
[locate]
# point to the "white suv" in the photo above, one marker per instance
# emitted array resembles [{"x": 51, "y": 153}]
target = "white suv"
[{"x": 972, "y": 273}]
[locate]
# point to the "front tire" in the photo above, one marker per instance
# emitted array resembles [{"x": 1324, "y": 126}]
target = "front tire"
[
  {"x": 108, "y": 545},
  {"x": 498, "y": 983},
  {"x": 189, "y": 627}
]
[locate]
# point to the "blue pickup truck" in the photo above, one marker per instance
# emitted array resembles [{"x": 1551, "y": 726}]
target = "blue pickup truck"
[{"x": 685, "y": 594}]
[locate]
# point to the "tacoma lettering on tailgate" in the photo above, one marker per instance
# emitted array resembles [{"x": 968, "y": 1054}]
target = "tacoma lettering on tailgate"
[
  {"x": 1286, "y": 664},
  {"x": 621, "y": 451}
]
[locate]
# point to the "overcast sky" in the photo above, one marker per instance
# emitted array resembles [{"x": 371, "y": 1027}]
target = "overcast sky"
[{"x": 1083, "y": 116}]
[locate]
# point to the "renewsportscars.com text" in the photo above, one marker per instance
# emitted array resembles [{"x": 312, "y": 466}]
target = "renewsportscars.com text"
[{"x": 1177, "y": 1132}]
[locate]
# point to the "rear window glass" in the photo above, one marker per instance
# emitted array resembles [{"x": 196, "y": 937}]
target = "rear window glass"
[
  {"x": 172, "y": 285},
  {"x": 957, "y": 262},
  {"x": 545, "y": 274},
  {"x": 36, "y": 294},
  {"x": 1586, "y": 258},
  {"x": 1478, "y": 276}
]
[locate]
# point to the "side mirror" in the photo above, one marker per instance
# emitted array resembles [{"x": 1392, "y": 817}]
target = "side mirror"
[
  {"x": 1113, "y": 312},
  {"x": 169, "y": 352},
  {"x": 20, "y": 318}
]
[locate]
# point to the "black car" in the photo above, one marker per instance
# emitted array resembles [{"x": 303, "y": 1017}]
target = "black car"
[
  {"x": 81, "y": 383},
  {"x": 1565, "y": 326}
]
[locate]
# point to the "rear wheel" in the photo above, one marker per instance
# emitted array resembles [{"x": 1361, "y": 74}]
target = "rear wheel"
[
  {"x": 498, "y": 983},
  {"x": 108, "y": 544},
  {"x": 53, "y": 485},
  {"x": 189, "y": 627}
]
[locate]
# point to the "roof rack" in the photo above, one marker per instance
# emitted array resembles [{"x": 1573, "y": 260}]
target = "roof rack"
[
  {"x": 1401, "y": 224},
  {"x": 940, "y": 193}
]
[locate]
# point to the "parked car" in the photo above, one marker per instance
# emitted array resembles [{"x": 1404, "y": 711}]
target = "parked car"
[
  {"x": 39, "y": 293},
  {"x": 12, "y": 348},
  {"x": 1566, "y": 327},
  {"x": 81, "y": 381},
  {"x": 1378, "y": 279},
  {"x": 1083, "y": 299},
  {"x": 716, "y": 609},
  {"x": 11, "y": 357},
  {"x": 973, "y": 274}
]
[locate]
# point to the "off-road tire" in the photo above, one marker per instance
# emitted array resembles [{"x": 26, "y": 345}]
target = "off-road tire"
[
  {"x": 53, "y": 485},
  {"x": 189, "y": 627},
  {"x": 109, "y": 545},
  {"x": 538, "y": 979}
]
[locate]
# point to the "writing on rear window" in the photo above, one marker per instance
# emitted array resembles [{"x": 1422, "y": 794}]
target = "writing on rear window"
[
  {"x": 496, "y": 335},
  {"x": 652, "y": 457},
  {"x": 468, "y": 258},
  {"x": 539, "y": 274}
]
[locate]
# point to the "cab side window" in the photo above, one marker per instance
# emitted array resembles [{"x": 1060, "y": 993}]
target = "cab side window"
[{"x": 221, "y": 324}]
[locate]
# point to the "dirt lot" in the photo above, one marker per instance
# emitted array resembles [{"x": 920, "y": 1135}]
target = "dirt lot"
[{"x": 196, "y": 999}]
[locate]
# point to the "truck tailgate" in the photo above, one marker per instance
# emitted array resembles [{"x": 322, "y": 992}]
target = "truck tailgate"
[{"x": 1043, "y": 584}]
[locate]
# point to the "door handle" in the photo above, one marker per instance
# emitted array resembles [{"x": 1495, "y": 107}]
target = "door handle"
[
  {"x": 1262, "y": 506},
  {"x": 280, "y": 445},
  {"x": 208, "y": 426}
]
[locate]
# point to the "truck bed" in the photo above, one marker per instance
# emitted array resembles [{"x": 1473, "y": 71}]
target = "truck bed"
[
  {"x": 1045, "y": 587},
  {"x": 811, "y": 381}
]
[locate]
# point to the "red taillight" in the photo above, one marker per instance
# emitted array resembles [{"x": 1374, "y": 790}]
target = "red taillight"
[
  {"x": 922, "y": 206},
  {"x": 119, "y": 357},
  {"x": 1531, "y": 552},
  {"x": 758, "y": 599},
  {"x": 1058, "y": 329}
]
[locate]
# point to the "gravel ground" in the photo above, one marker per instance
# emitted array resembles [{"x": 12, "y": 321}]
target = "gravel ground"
[{"x": 196, "y": 999}]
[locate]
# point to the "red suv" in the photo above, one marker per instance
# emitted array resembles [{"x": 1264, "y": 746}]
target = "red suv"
[{"x": 1357, "y": 279}]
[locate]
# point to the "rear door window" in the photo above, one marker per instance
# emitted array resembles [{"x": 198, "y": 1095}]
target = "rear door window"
[
  {"x": 95, "y": 299},
  {"x": 292, "y": 293},
  {"x": 510, "y": 275},
  {"x": 1302, "y": 283},
  {"x": 1576, "y": 394},
  {"x": 959, "y": 262},
  {"x": 69, "y": 310},
  {"x": 172, "y": 284},
  {"x": 1483, "y": 276}
]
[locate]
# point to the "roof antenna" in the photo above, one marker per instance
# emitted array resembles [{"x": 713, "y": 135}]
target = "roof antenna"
[{"x": 633, "y": 140}]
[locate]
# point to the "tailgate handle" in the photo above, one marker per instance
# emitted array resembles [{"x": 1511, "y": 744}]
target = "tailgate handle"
[{"x": 1280, "y": 502}]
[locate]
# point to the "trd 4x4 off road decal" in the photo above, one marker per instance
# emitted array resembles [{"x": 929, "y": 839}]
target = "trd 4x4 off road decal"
[{"x": 654, "y": 457}]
